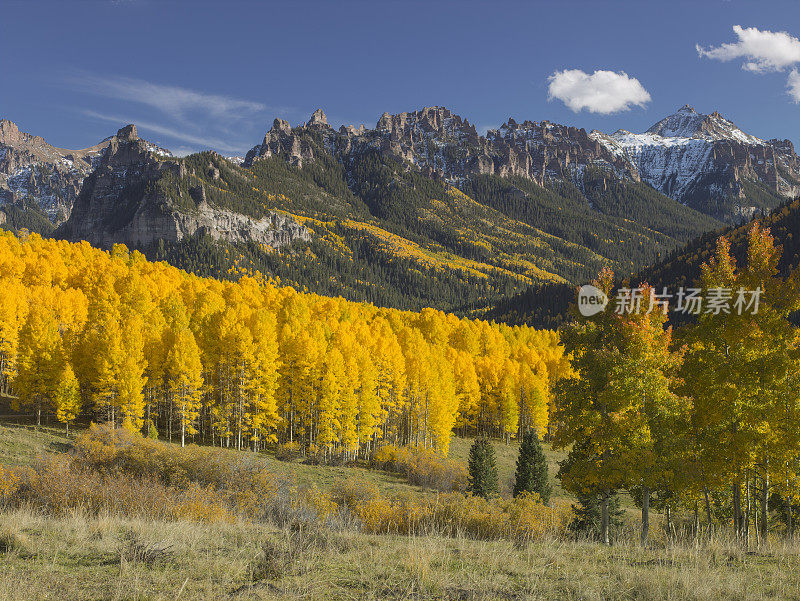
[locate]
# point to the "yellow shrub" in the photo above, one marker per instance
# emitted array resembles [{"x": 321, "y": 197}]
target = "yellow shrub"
[
  {"x": 56, "y": 486},
  {"x": 288, "y": 451},
  {"x": 377, "y": 515},
  {"x": 423, "y": 467},
  {"x": 353, "y": 492},
  {"x": 385, "y": 457},
  {"x": 9, "y": 484},
  {"x": 456, "y": 514},
  {"x": 108, "y": 449},
  {"x": 320, "y": 502},
  {"x": 202, "y": 504}
]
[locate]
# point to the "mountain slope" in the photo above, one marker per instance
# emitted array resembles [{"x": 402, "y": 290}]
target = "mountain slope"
[
  {"x": 139, "y": 197},
  {"x": 398, "y": 215},
  {"x": 682, "y": 267},
  {"x": 34, "y": 173},
  {"x": 546, "y": 305},
  {"x": 39, "y": 183}
]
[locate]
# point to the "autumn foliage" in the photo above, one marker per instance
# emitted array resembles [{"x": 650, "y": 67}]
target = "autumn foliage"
[{"x": 245, "y": 364}]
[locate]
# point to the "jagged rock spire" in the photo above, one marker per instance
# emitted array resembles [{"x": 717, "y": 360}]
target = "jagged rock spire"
[
  {"x": 318, "y": 119},
  {"x": 127, "y": 133}
]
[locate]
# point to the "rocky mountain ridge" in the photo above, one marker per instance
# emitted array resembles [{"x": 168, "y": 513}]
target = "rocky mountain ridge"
[
  {"x": 703, "y": 161},
  {"x": 33, "y": 171},
  {"x": 419, "y": 211},
  {"x": 446, "y": 145}
]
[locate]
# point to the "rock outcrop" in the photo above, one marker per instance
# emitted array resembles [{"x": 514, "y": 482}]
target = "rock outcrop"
[
  {"x": 448, "y": 146},
  {"x": 125, "y": 201}
]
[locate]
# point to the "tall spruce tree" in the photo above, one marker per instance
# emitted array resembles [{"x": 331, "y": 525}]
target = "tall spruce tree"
[
  {"x": 531, "y": 475},
  {"x": 483, "y": 480}
]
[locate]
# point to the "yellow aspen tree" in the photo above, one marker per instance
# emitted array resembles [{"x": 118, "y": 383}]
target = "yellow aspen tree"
[
  {"x": 467, "y": 388},
  {"x": 348, "y": 403},
  {"x": 443, "y": 406},
  {"x": 369, "y": 405},
  {"x": 736, "y": 416},
  {"x": 40, "y": 357},
  {"x": 129, "y": 369},
  {"x": 331, "y": 393},
  {"x": 262, "y": 381},
  {"x": 585, "y": 411},
  {"x": 185, "y": 379},
  {"x": 508, "y": 400},
  {"x": 13, "y": 309},
  {"x": 67, "y": 396}
]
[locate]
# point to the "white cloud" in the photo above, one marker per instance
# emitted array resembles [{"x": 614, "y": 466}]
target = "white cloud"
[
  {"x": 793, "y": 85},
  {"x": 197, "y": 119},
  {"x": 602, "y": 92},
  {"x": 762, "y": 50},
  {"x": 179, "y": 103},
  {"x": 198, "y": 142}
]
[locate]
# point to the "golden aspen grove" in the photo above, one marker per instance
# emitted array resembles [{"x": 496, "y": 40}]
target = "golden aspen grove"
[{"x": 150, "y": 348}]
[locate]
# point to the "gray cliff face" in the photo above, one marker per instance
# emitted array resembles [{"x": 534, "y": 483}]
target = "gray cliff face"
[
  {"x": 35, "y": 173},
  {"x": 123, "y": 202},
  {"x": 275, "y": 230}
]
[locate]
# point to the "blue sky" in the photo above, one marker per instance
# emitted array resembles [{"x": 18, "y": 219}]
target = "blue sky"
[{"x": 214, "y": 75}]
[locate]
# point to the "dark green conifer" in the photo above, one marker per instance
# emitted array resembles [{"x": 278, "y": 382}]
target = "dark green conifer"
[
  {"x": 531, "y": 473},
  {"x": 483, "y": 480}
]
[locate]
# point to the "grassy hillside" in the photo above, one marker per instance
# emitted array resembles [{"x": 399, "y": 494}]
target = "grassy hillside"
[{"x": 21, "y": 444}]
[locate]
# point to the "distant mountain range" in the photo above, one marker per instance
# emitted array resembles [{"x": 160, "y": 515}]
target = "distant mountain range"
[{"x": 419, "y": 211}]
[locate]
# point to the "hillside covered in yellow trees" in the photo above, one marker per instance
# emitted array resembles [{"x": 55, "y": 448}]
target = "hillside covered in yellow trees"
[{"x": 116, "y": 338}]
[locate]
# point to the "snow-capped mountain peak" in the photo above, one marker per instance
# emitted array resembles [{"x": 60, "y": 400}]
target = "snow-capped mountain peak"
[
  {"x": 688, "y": 123},
  {"x": 701, "y": 160}
]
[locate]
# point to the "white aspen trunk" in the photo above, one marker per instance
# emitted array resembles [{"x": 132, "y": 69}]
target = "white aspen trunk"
[
  {"x": 765, "y": 502},
  {"x": 604, "y": 518},
  {"x": 645, "y": 513}
]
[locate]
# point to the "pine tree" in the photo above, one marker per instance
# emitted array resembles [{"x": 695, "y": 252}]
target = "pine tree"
[
  {"x": 482, "y": 469},
  {"x": 531, "y": 473}
]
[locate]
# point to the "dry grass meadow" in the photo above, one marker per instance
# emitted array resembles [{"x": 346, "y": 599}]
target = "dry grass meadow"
[{"x": 88, "y": 548}]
